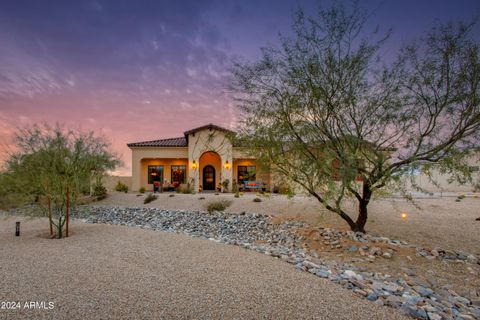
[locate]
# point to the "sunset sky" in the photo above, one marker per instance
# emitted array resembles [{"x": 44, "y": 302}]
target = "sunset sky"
[{"x": 144, "y": 70}]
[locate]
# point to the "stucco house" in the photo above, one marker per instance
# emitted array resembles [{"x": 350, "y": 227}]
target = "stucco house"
[{"x": 203, "y": 157}]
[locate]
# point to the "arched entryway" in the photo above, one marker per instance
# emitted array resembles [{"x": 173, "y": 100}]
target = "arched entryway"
[
  {"x": 208, "y": 178},
  {"x": 210, "y": 170}
]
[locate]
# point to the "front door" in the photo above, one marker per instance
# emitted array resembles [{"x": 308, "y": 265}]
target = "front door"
[{"x": 208, "y": 178}]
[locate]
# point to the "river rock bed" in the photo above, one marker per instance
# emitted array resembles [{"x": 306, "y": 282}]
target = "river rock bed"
[{"x": 414, "y": 297}]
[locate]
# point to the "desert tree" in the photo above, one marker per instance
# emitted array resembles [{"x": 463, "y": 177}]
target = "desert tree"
[
  {"x": 327, "y": 112},
  {"x": 54, "y": 166}
]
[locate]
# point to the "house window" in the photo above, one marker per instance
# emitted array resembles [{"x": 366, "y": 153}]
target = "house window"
[
  {"x": 178, "y": 174},
  {"x": 246, "y": 173},
  {"x": 155, "y": 173}
]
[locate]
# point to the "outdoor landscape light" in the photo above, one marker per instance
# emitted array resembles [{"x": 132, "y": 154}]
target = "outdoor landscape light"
[{"x": 404, "y": 215}]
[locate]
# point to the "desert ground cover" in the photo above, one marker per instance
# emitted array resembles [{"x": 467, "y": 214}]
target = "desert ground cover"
[
  {"x": 115, "y": 272},
  {"x": 441, "y": 221}
]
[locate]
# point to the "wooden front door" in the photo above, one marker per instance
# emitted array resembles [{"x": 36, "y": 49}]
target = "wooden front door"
[{"x": 208, "y": 178}]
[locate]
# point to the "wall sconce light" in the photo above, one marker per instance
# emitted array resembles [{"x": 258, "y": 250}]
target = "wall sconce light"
[
  {"x": 227, "y": 165},
  {"x": 194, "y": 165}
]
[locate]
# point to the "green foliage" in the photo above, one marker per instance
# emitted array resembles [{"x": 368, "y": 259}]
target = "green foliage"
[
  {"x": 120, "y": 187},
  {"x": 99, "y": 190},
  {"x": 237, "y": 195},
  {"x": 219, "y": 205},
  {"x": 234, "y": 186},
  {"x": 149, "y": 198},
  {"x": 257, "y": 199},
  {"x": 141, "y": 190},
  {"x": 225, "y": 184},
  {"x": 327, "y": 113},
  {"x": 51, "y": 161}
]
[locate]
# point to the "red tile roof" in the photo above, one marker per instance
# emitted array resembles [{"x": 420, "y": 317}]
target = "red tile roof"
[
  {"x": 171, "y": 142},
  {"x": 210, "y": 126},
  {"x": 176, "y": 142}
]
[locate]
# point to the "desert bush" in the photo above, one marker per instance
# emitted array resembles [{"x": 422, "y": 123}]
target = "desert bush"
[
  {"x": 99, "y": 190},
  {"x": 237, "y": 195},
  {"x": 257, "y": 199},
  {"x": 151, "y": 197},
  {"x": 219, "y": 205},
  {"x": 225, "y": 184},
  {"x": 141, "y": 190},
  {"x": 120, "y": 187}
]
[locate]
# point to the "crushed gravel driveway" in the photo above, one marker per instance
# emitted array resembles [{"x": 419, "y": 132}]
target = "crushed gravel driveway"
[{"x": 114, "y": 272}]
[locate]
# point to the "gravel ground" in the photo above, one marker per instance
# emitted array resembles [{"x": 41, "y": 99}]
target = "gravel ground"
[
  {"x": 114, "y": 272},
  {"x": 440, "y": 222}
]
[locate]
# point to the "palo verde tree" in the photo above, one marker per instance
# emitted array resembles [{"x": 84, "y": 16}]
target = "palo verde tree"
[
  {"x": 54, "y": 166},
  {"x": 328, "y": 113}
]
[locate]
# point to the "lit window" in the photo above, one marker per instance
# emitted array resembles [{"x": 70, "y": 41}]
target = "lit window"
[
  {"x": 246, "y": 173},
  {"x": 178, "y": 174},
  {"x": 155, "y": 173}
]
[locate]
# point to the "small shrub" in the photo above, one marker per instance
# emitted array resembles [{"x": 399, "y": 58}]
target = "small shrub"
[
  {"x": 216, "y": 193},
  {"x": 99, "y": 191},
  {"x": 172, "y": 195},
  {"x": 201, "y": 198},
  {"x": 462, "y": 196},
  {"x": 237, "y": 195},
  {"x": 225, "y": 184},
  {"x": 257, "y": 199},
  {"x": 151, "y": 197},
  {"x": 120, "y": 187},
  {"x": 220, "y": 205},
  {"x": 141, "y": 190}
]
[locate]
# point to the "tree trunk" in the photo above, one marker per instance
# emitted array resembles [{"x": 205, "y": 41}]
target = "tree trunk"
[
  {"x": 363, "y": 208},
  {"x": 50, "y": 215},
  {"x": 67, "y": 215},
  {"x": 362, "y": 217}
]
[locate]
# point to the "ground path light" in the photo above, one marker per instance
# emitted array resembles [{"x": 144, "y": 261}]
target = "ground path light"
[{"x": 404, "y": 215}]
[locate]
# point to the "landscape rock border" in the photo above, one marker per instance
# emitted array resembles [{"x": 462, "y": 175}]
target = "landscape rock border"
[{"x": 257, "y": 232}]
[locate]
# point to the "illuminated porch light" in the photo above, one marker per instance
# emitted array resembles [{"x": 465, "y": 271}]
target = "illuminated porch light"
[
  {"x": 227, "y": 165},
  {"x": 194, "y": 164}
]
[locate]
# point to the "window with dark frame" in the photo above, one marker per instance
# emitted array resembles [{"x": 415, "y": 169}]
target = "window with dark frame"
[
  {"x": 178, "y": 174},
  {"x": 246, "y": 173},
  {"x": 155, "y": 174}
]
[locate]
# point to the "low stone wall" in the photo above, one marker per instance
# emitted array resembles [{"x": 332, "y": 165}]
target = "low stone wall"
[{"x": 111, "y": 181}]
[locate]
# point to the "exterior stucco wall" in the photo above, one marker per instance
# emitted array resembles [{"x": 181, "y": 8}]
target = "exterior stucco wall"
[
  {"x": 167, "y": 166},
  {"x": 209, "y": 141},
  {"x": 152, "y": 153}
]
